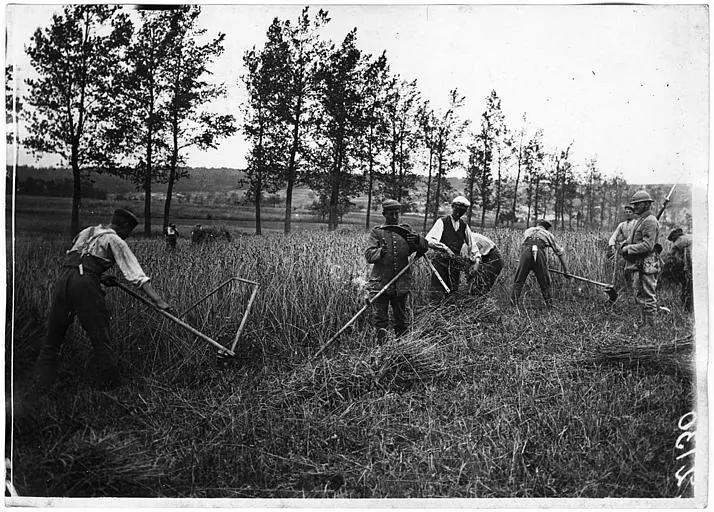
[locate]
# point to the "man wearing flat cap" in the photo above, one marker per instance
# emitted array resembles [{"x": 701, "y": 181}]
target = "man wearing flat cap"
[
  {"x": 77, "y": 292},
  {"x": 451, "y": 237},
  {"x": 533, "y": 258},
  {"x": 388, "y": 250}
]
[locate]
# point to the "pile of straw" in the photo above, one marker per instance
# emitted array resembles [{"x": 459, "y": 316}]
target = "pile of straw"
[
  {"x": 395, "y": 365},
  {"x": 674, "y": 357}
]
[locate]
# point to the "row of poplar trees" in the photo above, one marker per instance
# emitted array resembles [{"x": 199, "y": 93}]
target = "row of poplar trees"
[
  {"x": 123, "y": 92},
  {"x": 336, "y": 119},
  {"x": 128, "y": 92}
]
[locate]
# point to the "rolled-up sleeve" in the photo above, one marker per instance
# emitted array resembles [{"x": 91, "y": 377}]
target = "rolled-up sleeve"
[
  {"x": 127, "y": 262},
  {"x": 616, "y": 234},
  {"x": 433, "y": 237},
  {"x": 557, "y": 249},
  {"x": 373, "y": 252}
]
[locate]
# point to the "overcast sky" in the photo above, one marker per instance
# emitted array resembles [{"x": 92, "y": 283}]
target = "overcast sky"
[{"x": 628, "y": 84}]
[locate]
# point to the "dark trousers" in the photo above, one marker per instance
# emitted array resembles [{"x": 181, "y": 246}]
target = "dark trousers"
[
  {"x": 527, "y": 264},
  {"x": 491, "y": 266},
  {"x": 450, "y": 272},
  {"x": 380, "y": 314},
  {"x": 81, "y": 296}
]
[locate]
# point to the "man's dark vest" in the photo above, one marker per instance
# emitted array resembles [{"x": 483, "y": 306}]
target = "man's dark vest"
[{"x": 454, "y": 240}]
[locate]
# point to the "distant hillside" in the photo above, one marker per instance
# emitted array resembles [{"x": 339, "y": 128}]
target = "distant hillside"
[{"x": 201, "y": 180}]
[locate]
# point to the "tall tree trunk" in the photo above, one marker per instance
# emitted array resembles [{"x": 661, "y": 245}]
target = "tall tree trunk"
[
  {"x": 371, "y": 178},
  {"x": 76, "y": 190},
  {"x": 172, "y": 173},
  {"x": 437, "y": 197},
  {"x": 147, "y": 184},
  {"x": 291, "y": 172},
  {"x": 428, "y": 192},
  {"x": 334, "y": 192},
  {"x": 535, "y": 206},
  {"x": 256, "y": 202},
  {"x": 518, "y": 176},
  {"x": 472, "y": 179}
]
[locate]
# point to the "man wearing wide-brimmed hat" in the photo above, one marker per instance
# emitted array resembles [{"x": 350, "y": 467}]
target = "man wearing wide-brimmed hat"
[
  {"x": 77, "y": 292},
  {"x": 533, "y": 258},
  {"x": 388, "y": 250},
  {"x": 641, "y": 256},
  {"x": 450, "y": 236}
]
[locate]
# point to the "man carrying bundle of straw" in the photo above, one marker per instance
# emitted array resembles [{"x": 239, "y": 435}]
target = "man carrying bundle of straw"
[
  {"x": 641, "y": 256},
  {"x": 450, "y": 236},
  {"x": 77, "y": 292},
  {"x": 533, "y": 258},
  {"x": 389, "y": 252}
]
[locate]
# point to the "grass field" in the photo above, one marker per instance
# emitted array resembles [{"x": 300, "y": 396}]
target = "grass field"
[{"x": 479, "y": 400}]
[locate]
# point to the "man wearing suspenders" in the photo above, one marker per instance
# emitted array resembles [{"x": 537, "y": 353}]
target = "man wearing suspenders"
[
  {"x": 77, "y": 292},
  {"x": 533, "y": 258}
]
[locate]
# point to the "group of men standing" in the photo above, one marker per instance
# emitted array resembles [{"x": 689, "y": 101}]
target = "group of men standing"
[{"x": 457, "y": 248}]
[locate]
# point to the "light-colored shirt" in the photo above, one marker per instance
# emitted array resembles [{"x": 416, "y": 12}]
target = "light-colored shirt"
[
  {"x": 540, "y": 233},
  {"x": 104, "y": 243},
  {"x": 433, "y": 238},
  {"x": 623, "y": 231},
  {"x": 484, "y": 243}
]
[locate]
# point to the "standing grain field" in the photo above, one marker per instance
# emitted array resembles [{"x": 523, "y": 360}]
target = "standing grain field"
[{"x": 479, "y": 400}]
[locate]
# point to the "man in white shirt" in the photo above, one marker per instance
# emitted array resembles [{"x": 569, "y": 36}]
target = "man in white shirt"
[
  {"x": 622, "y": 232},
  {"x": 450, "y": 236},
  {"x": 77, "y": 292},
  {"x": 485, "y": 275}
]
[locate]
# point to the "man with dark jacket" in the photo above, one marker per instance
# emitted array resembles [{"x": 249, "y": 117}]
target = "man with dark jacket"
[
  {"x": 533, "y": 258},
  {"x": 642, "y": 259},
  {"x": 77, "y": 292},
  {"x": 388, "y": 249}
]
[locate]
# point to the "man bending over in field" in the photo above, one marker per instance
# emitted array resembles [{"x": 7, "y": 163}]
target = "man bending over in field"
[
  {"x": 389, "y": 250},
  {"x": 78, "y": 292},
  {"x": 535, "y": 241},
  {"x": 482, "y": 277}
]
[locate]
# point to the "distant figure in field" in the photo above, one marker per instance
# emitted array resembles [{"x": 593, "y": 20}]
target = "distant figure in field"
[
  {"x": 642, "y": 259},
  {"x": 196, "y": 234},
  {"x": 485, "y": 275},
  {"x": 172, "y": 235},
  {"x": 388, "y": 251},
  {"x": 678, "y": 265},
  {"x": 533, "y": 258},
  {"x": 77, "y": 292},
  {"x": 450, "y": 236}
]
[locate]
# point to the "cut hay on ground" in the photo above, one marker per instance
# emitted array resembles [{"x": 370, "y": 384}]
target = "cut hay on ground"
[{"x": 675, "y": 357}]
